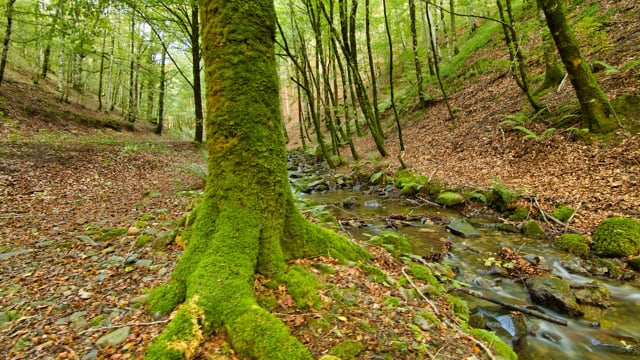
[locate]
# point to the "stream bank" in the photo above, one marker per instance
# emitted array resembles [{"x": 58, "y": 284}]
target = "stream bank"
[{"x": 594, "y": 296}]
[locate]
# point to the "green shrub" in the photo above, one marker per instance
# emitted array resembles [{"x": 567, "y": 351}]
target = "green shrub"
[{"x": 617, "y": 236}]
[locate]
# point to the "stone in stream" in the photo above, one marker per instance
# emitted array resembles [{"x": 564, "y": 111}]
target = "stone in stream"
[
  {"x": 592, "y": 293},
  {"x": 463, "y": 229},
  {"x": 554, "y": 293}
]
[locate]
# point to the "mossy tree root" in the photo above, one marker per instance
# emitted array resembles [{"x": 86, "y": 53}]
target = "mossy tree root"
[{"x": 214, "y": 280}]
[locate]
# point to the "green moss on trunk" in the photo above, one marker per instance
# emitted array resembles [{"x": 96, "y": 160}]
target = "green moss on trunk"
[{"x": 246, "y": 221}]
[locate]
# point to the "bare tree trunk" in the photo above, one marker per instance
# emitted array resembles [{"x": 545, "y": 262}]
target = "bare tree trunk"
[
  {"x": 131, "y": 111},
  {"x": 416, "y": 57},
  {"x": 163, "y": 81},
  {"x": 393, "y": 101},
  {"x": 7, "y": 39}
]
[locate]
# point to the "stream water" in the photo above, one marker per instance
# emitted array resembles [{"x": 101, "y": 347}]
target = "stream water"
[{"x": 613, "y": 333}]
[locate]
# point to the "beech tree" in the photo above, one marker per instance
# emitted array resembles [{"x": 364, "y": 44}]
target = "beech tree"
[
  {"x": 597, "y": 113},
  {"x": 246, "y": 222},
  {"x": 7, "y": 38}
]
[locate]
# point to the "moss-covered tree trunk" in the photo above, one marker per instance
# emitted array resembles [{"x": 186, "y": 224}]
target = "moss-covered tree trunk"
[
  {"x": 246, "y": 222},
  {"x": 597, "y": 113}
]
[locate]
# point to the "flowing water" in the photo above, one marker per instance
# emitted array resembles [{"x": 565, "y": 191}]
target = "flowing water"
[{"x": 602, "y": 334}]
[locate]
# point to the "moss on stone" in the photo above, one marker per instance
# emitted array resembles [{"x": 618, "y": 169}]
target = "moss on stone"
[
  {"x": 303, "y": 286},
  {"x": 520, "y": 213},
  {"x": 143, "y": 240},
  {"x": 423, "y": 273},
  {"x": 563, "y": 213},
  {"x": 532, "y": 229},
  {"x": 634, "y": 263},
  {"x": 375, "y": 274},
  {"x": 394, "y": 242},
  {"x": 617, "y": 237},
  {"x": 450, "y": 198},
  {"x": 347, "y": 350},
  {"x": 502, "y": 350},
  {"x": 459, "y": 307},
  {"x": 573, "y": 243},
  {"x": 112, "y": 233}
]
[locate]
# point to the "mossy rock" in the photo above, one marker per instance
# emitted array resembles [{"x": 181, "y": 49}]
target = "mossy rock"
[
  {"x": 563, "y": 213},
  {"x": 574, "y": 243},
  {"x": 634, "y": 263},
  {"x": 532, "y": 229},
  {"x": 617, "y": 237},
  {"x": 303, "y": 286},
  {"x": 347, "y": 350},
  {"x": 520, "y": 213},
  {"x": 450, "y": 198}
]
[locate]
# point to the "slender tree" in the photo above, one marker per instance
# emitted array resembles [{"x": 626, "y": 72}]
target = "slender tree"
[
  {"x": 391, "y": 88},
  {"x": 416, "y": 56},
  {"x": 7, "y": 38},
  {"x": 247, "y": 221},
  {"x": 161, "y": 94}
]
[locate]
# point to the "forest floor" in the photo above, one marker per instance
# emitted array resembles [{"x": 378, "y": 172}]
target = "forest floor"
[
  {"x": 75, "y": 203},
  {"x": 83, "y": 216}
]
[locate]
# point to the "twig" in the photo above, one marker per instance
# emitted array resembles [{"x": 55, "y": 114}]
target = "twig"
[
  {"x": 521, "y": 309},
  {"x": 564, "y": 79},
  {"x": 433, "y": 306},
  {"x": 428, "y": 202},
  {"x": 566, "y": 227},
  {"x": 124, "y": 325},
  {"x": 446, "y": 320}
]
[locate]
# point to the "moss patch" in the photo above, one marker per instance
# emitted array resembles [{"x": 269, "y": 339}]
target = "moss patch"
[
  {"x": 617, "y": 236},
  {"x": 303, "y": 286},
  {"x": 347, "y": 350},
  {"x": 502, "y": 350},
  {"x": 573, "y": 243},
  {"x": 532, "y": 229},
  {"x": 450, "y": 198},
  {"x": 563, "y": 213}
]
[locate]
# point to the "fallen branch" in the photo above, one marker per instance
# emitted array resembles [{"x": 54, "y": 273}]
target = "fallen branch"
[
  {"x": 521, "y": 309},
  {"x": 124, "y": 325},
  {"x": 566, "y": 227},
  {"x": 446, "y": 321}
]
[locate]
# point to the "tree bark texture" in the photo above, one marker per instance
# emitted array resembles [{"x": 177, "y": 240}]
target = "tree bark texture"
[
  {"x": 7, "y": 39},
  {"x": 246, "y": 221}
]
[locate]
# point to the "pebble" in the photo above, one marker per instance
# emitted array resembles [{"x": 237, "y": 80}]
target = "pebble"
[{"x": 115, "y": 337}]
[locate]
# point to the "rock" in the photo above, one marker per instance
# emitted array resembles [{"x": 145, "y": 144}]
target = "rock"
[
  {"x": 133, "y": 231},
  {"x": 573, "y": 243},
  {"x": 164, "y": 238},
  {"x": 84, "y": 294},
  {"x": 9, "y": 254},
  {"x": 554, "y": 293},
  {"x": 592, "y": 293},
  {"x": 634, "y": 263},
  {"x": 144, "y": 263},
  {"x": 87, "y": 239},
  {"x": 78, "y": 321},
  {"x": 350, "y": 202},
  {"x": 450, "y": 198},
  {"x": 617, "y": 237},
  {"x": 463, "y": 229},
  {"x": 372, "y": 204},
  {"x": 532, "y": 229},
  {"x": 422, "y": 322},
  {"x": 477, "y": 321},
  {"x": 141, "y": 299},
  {"x": 44, "y": 244},
  {"x": 115, "y": 337}
]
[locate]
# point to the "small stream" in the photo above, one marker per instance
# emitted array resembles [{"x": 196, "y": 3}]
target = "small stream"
[{"x": 613, "y": 333}]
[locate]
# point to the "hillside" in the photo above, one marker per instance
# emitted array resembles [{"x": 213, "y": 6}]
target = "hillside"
[{"x": 598, "y": 175}]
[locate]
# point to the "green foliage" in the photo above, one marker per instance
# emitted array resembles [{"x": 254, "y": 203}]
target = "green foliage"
[
  {"x": 375, "y": 178},
  {"x": 423, "y": 273},
  {"x": 617, "y": 236},
  {"x": 563, "y": 213},
  {"x": 500, "y": 197},
  {"x": 396, "y": 243},
  {"x": 532, "y": 229},
  {"x": 347, "y": 350},
  {"x": 303, "y": 286},
  {"x": 573, "y": 243}
]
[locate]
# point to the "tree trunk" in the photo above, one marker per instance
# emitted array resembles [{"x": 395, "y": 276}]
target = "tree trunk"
[
  {"x": 101, "y": 75},
  {"x": 391, "y": 90},
  {"x": 7, "y": 39},
  {"x": 131, "y": 111},
  {"x": 197, "y": 83},
  {"x": 416, "y": 56},
  {"x": 247, "y": 221},
  {"x": 163, "y": 80},
  {"x": 597, "y": 113}
]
